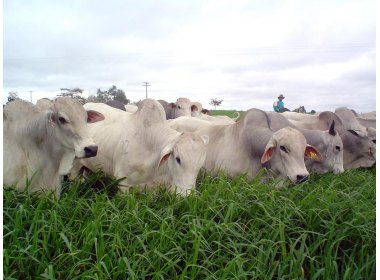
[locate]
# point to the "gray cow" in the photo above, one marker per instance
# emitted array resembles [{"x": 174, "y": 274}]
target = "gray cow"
[
  {"x": 328, "y": 142},
  {"x": 359, "y": 147},
  {"x": 361, "y": 139},
  {"x": 249, "y": 145}
]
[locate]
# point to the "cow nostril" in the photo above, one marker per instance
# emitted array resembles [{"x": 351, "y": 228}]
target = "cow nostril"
[
  {"x": 302, "y": 178},
  {"x": 90, "y": 151}
]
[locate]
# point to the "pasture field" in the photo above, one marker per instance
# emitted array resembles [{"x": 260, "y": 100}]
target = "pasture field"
[
  {"x": 227, "y": 229},
  {"x": 229, "y": 113}
]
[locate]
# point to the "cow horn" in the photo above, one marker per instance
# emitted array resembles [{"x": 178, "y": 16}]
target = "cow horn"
[{"x": 332, "y": 128}]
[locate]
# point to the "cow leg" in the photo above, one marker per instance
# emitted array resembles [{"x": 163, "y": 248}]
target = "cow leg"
[
  {"x": 27, "y": 181},
  {"x": 22, "y": 183},
  {"x": 76, "y": 169}
]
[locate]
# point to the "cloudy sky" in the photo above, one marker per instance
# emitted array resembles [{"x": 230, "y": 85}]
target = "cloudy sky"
[{"x": 320, "y": 54}]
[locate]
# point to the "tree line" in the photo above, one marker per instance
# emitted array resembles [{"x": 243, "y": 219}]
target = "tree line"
[{"x": 101, "y": 96}]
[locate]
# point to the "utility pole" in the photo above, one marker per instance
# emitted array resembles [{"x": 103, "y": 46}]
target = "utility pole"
[
  {"x": 146, "y": 85},
  {"x": 31, "y": 96}
]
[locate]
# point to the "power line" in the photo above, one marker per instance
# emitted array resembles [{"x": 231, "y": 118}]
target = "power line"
[{"x": 146, "y": 85}]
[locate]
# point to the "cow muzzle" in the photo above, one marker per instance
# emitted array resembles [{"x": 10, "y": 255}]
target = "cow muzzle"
[
  {"x": 301, "y": 178},
  {"x": 338, "y": 169},
  {"x": 90, "y": 151}
]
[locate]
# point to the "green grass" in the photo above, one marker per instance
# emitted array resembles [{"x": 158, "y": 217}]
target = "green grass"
[
  {"x": 226, "y": 229},
  {"x": 229, "y": 113}
]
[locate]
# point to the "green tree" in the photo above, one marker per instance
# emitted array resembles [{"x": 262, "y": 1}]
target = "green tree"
[
  {"x": 112, "y": 94},
  {"x": 75, "y": 93},
  {"x": 216, "y": 102},
  {"x": 92, "y": 98},
  {"x": 12, "y": 96},
  {"x": 102, "y": 96}
]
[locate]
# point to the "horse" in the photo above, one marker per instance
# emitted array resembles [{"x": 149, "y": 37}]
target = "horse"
[{"x": 300, "y": 109}]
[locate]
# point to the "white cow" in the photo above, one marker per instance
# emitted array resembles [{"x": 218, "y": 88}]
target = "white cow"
[
  {"x": 367, "y": 115},
  {"x": 294, "y": 116},
  {"x": 44, "y": 103},
  {"x": 130, "y": 108},
  {"x": 367, "y": 122},
  {"x": 142, "y": 148},
  {"x": 182, "y": 107},
  {"x": 41, "y": 142},
  {"x": 370, "y": 115},
  {"x": 248, "y": 145},
  {"x": 216, "y": 119},
  {"x": 236, "y": 116},
  {"x": 196, "y": 112},
  {"x": 196, "y": 109},
  {"x": 188, "y": 124}
]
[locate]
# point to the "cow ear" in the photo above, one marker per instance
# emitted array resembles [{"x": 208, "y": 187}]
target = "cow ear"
[
  {"x": 172, "y": 105},
  {"x": 267, "y": 155},
  {"x": 194, "y": 108},
  {"x": 164, "y": 158},
  {"x": 51, "y": 116},
  {"x": 313, "y": 153},
  {"x": 94, "y": 116},
  {"x": 165, "y": 154}
]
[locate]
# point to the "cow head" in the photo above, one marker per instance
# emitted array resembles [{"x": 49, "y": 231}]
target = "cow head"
[
  {"x": 205, "y": 111},
  {"x": 371, "y": 132},
  {"x": 182, "y": 107},
  {"x": 285, "y": 154},
  {"x": 69, "y": 121},
  {"x": 359, "y": 149},
  {"x": 181, "y": 160},
  {"x": 330, "y": 144}
]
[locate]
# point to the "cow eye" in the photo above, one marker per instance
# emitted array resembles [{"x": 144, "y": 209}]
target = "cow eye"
[
  {"x": 62, "y": 120},
  {"x": 374, "y": 141},
  {"x": 337, "y": 148},
  {"x": 284, "y": 149},
  {"x": 178, "y": 160},
  {"x": 179, "y": 107}
]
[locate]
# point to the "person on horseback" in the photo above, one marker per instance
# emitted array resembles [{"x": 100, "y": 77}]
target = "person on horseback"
[{"x": 278, "y": 105}]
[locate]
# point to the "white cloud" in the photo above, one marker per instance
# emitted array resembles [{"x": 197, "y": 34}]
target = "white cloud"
[{"x": 245, "y": 52}]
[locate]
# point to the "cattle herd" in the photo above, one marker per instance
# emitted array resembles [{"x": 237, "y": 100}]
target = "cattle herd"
[{"x": 161, "y": 143}]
